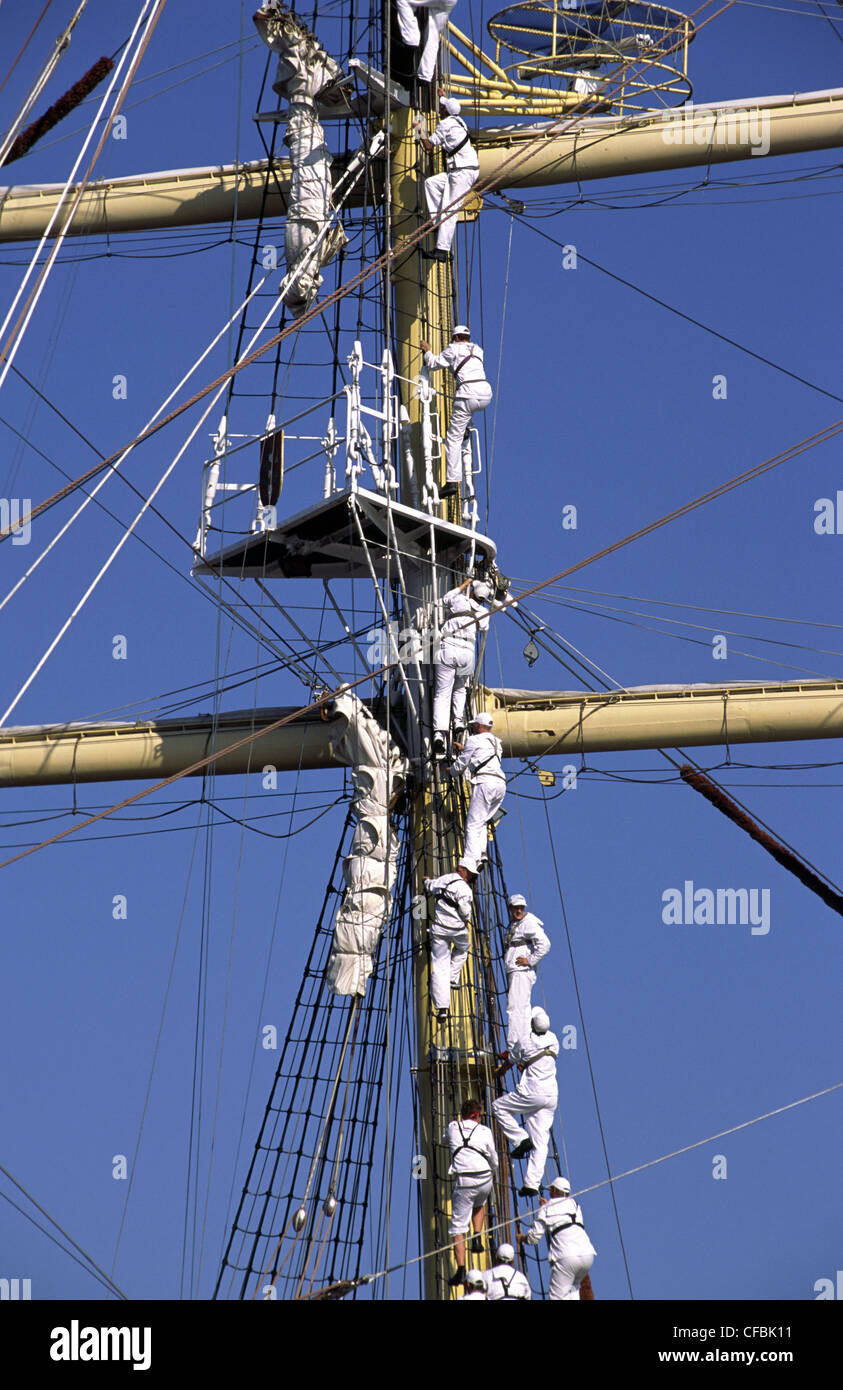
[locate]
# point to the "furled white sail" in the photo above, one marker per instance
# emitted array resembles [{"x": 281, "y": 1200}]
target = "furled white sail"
[
  {"x": 378, "y": 773},
  {"x": 304, "y": 69}
]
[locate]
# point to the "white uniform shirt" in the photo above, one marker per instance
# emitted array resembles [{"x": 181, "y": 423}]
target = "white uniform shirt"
[
  {"x": 504, "y": 1282},
  {"x": 448, "y": 134},
  {"x": 472, "y": 1146},
  {"x": 544, "y": 1047},
  {"x": 454, "y": 900},
  {"x": 481, "y": 757},
  {"x": 465, "y": 360},
  {"x": 525, "y": 938},
  {"x": 460, "y": 614},
  {"x": 555, "y": 1220}
]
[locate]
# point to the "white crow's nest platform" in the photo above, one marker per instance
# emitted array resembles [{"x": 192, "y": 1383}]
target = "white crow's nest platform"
[{"x": 323, "y": 542}]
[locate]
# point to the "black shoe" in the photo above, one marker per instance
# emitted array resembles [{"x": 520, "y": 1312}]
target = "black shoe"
[
  {"x": 439, "y": 746},
  {"x": 522, "y": 1150},
  {"x": 449, "y": 490},
  {"x": 458, "y": 1278},
  {"x": 476, "y": 1245},
  {"x": 528, "y": 1192},
  {"x": 442, "y": 1015},
  {"x": 436, "y": 255},
  {"x": 459, "y": 734}
]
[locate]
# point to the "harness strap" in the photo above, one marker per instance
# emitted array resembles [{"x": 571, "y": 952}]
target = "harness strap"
[
  {"x": 449, "y": 154},
  {"x": 554, "y": 1230}
]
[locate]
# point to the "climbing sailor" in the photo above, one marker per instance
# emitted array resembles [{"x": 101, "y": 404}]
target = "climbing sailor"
[
  {"x": 535, "y": 1097},
  {"x": 525, "y": 944},
  {"x": 472, "y": 393},
  {"x": 442, "y": 190},
  {"x": 481, "y": 758},
  {"x": 504, "y": 1281},
  {"x": 570, "y": 1252},
  {"x": 475, "y": 1286},
  {"x": 439, "y": 12},
  {"x": 449, "y": 933},
  {"x": 474, "y": 1164},
  {"x": 464, "y": 616}
]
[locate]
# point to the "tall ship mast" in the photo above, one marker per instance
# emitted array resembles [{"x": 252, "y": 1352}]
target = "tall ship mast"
[{"x": 329, "y": 482}]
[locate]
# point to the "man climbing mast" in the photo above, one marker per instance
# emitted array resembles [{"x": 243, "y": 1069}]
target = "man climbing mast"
[
  {"x": 464, "y": 615},
  {"x": 439, "y": 12},
  {"x": 463, "y": 170},
  {"x": 481, "y": 758},
  {"x": 472, "y": 393}
]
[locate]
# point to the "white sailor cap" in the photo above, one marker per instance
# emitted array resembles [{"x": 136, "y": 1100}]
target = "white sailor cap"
[
  {"x": 475, "y": 1277},
  {"x": 561, "y": 1184},
  {"x": 483, "y": 719},
  {"x": 481, "y": 590},
  {"x": 516, "y": 900},
  {"x": 539, "y": 1020},
  {"x": 450, "y": 105},
  {"x": 462, "y": 330}
]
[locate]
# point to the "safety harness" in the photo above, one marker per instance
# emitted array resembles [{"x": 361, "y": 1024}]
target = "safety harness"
[
  {"x": 492, "y": 755},
  {"x": 545, "y": 1052},
  {"x": 565, "y": 1226},
  {"x": 449, "y": 154},
  {"x": 507, "y": 1296},
  {"x": 449, "y": 899},
  {"x": 466, "y": 1144}
]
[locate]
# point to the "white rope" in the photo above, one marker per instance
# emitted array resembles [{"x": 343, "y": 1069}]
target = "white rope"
[
  {"x": 119, "y": 546},
  {"x": 160, "y": 411},
  {"x": 534, "y": 1211},
  {"x": 10, "y": 349}
]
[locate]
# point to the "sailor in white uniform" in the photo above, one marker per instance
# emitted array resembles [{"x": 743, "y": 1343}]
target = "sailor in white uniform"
[
  {"x": 475, "y": 1286},
  {"x": 472, "y": 393},
  {"x": 481, "y": 758},
  {"x": 439, "y": 12},
  {"x": 449, "y": 938},
  {"x": 571, "y": 1253},
  {"x": 505, "y": 1283},
  {"x": 464, "y": 617},
  {"x": 535, "y": 1097},
  {"x": 443, "y": 190},
  {"x": 474, "y": 1166},
  {"x": 525, "y": 944}
]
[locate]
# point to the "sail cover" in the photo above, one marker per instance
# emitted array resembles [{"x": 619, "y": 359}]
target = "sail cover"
[
  {"x": 304, "y": 69},
  {"x": 378, "y": 773}
]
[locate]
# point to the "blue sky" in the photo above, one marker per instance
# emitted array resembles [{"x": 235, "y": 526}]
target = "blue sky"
[{"x": 605, "y": 402}]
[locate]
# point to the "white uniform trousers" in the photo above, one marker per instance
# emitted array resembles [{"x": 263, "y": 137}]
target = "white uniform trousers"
[
  {"x": 470, "y": 398},
  {"x": 453, "y": 673},
  {"x": 468, "y": 1194},
  {"x": 440, "y": 191},
  {"x": 446, "y": 963},
  {"x": 567, "y": 1274},
  {"x": 538, "y": 1109},
  {"x": 518, "y": 1015},
  {"x": 439, "y": 10},
  {"x": 487, "y": 795}
]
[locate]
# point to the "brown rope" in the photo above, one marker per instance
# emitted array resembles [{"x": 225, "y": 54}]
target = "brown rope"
[
  {"x": 61, "y": 108},
  {"x": 780, "y": 853}
]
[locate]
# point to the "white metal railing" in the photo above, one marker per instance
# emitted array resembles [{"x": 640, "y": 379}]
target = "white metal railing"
[{"x": 373, "y": 435}]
